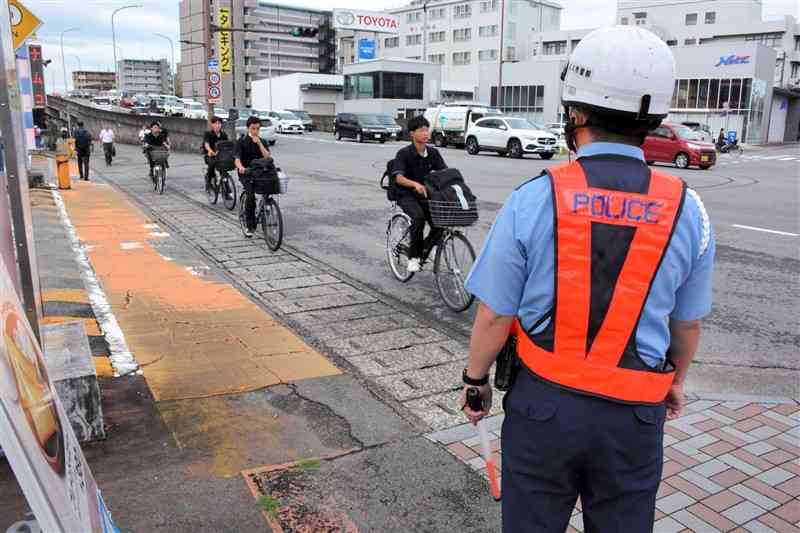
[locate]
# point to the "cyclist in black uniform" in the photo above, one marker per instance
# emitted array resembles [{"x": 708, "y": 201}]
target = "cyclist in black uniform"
[
  {"x": 156, "y": 137},
  {"x": 249, "y": 148},
  {"x": 411, "y": 165},
  {"x": 210, "y": 140}
]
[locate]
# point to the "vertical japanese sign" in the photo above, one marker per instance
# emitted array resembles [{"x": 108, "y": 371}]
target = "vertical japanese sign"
[
  {"x": 36, "y": 434},
  {"x": 37, "y": 76},
  {"x": 225, "y": 43}
]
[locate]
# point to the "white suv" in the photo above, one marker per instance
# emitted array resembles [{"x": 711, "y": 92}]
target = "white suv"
[
  {"x": 509, "y": 135},
  {"x": 287, "y": 122}
]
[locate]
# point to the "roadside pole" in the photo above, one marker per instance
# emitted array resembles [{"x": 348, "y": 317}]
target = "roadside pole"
[
  {"x": 15, "y": 176},
  {"x": 209, "y": 55}
]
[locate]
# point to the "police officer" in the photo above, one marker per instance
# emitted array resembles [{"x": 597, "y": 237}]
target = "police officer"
[{"x": 601, "y": 269}]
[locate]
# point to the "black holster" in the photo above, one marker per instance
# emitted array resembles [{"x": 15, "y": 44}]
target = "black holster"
[{"x": 507, "y": 365}]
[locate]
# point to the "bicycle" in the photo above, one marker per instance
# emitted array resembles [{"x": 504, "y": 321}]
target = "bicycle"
[
  {"x": 732, "y": 149},
  {"x": 268, "y": 212},
  {"x": 454, "y": 253},
  {"x": 222, "y": 182},
  {"x": 159, "y": 156}
]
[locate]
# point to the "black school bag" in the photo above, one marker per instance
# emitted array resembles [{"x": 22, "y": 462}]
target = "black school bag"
[
  {"x": 264, "y": 175},
  {"x": 388, "y": 181},
  {"x": 445, "y": 186}
]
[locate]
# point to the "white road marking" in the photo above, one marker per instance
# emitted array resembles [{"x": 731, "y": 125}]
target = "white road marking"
[
  {"x": 776, "y": 232},
  {"x": 787, "y": 159}
]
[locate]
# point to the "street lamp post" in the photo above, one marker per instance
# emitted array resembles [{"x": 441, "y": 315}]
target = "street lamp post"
[
  {"x": 79, "y": 62},
  {"x": 172, "y": 55},
  {"x": 64, "y": 68},
  {"x": 114, "y": 40}
]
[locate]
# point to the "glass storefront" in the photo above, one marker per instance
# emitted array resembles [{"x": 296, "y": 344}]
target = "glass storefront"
[
  {"x": 526, "y": 101},
  {"x": 387, "y": 85},
  {"x": 731, "y": 104}
]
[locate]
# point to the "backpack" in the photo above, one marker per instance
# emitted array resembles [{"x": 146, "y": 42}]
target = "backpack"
[
  {"x": 83, "y": 141},
  {"x": 387, "y": 182},
  {"x": 225, "y": 155}
]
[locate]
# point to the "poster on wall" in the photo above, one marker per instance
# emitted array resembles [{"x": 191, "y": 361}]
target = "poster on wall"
[{"x": 35, "y": 433}]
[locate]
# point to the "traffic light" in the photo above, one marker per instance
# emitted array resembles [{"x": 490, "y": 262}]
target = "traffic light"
[{"x": 304, "y": 32}]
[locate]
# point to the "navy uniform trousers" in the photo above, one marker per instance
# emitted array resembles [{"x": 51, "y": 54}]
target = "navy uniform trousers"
[{"x": 559, "y": 444}]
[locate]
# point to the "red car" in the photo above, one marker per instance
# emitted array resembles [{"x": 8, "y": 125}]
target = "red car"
[{"x": 674, "y": 143}]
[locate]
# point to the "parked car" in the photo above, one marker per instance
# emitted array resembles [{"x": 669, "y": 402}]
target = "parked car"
[
  {"x": 139, "y": 110},
  {"x": 195, "y": 110},
  {"x": 173, "y": 107},
  {"x": 305, "y": 118},
  {"x": 127, "y": 102},
  {"x": 510, "y": 135},
  {"x": 286, "y": 122},
  {"x": 102, "y": 101},
  {"x": 221, "y": 113},
  {"x": 556, "y": 128},
  {"x": 267, "y": 129},
  {"x": 361, "y": 127},
  {"x": 450, "y": 122},
  {"x": 395, "y": 130},
  {"x": 704, "y": 130},
  {"x": 678, "y": 144}
]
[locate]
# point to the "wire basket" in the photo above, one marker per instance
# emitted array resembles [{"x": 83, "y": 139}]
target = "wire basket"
[
  {"x": 159, "y": 155},
  {"x": 453, "y": 214},
  {"x": 284, "y": 182}
]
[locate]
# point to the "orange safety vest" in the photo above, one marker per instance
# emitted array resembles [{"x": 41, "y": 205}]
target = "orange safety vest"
[{"x": 599, "y": 368}]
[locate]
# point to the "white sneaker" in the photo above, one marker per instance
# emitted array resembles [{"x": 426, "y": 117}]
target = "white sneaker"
[
  {"x": 248, "y": 233},
  {"x": 413, "y": 265}
]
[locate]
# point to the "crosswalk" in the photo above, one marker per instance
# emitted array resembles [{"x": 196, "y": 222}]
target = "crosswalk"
[{"x": 725, "y": 159}]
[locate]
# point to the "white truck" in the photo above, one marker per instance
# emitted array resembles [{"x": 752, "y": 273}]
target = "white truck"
[{"x": 450, "y": 122}]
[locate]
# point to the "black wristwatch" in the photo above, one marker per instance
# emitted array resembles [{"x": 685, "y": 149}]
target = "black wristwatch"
[{"x": 474, "y": 382}]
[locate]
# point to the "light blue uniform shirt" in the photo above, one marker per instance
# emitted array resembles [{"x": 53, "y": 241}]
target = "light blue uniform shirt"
[{"x": 513, "y": 274}]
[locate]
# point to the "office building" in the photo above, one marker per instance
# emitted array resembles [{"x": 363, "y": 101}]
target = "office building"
[
  {"x": 145, "y": 76},
  {"x": 254, "y": 55},
  {"x": 91, "y": 80}
]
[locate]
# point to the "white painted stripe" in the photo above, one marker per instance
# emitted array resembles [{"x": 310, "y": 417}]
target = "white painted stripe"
[
  {"x": 787, "y": 159},
  {"x": 122, "y": 359},
  {"x": 776, "y": 232}
]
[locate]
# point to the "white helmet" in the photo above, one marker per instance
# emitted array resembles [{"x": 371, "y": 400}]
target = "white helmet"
[{"x": 621, "y": 69}]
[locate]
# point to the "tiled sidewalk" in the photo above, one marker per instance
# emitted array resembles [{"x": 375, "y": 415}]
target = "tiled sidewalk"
[{"x": 728, "y": 466}]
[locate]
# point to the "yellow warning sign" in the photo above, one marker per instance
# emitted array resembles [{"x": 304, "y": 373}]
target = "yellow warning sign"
[
  {"x": 23, "y": 22},
  {"x": 225, "y": 43}
]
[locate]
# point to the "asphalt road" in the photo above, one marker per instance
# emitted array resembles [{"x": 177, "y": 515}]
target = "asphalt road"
[{"x": 336, "y": 213}]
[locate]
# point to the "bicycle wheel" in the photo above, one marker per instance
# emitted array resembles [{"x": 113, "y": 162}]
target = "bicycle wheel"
[
  {"x": 272, "y": 224},
  {"x": 212, "y": 190},
  {"x": 242, "y": 217},
  {"x": 454, "y": 260},
  {"x": 162, "y": 180},
  {"x": 228, "y": 190},
  {"x": 398, "y": 239},
  {"x": 156, "y": 177}
]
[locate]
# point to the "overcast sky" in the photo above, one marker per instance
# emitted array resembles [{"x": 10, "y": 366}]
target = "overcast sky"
[{"x": 90, "y": 46}]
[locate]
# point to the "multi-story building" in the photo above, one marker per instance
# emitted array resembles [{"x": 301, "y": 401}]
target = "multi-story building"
[
  {"x": 91, "y": 80},
  {"x": 255, "y": 54},
  {"x": 463, "y": 35},
  {"x": 144, "y": 76}
]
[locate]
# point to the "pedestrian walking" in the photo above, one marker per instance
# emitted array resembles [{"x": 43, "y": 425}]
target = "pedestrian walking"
[
  {"x": 601, "y": 270},
  {"x": 107, "y": 138},
  {"x": 83, "y": 147}
]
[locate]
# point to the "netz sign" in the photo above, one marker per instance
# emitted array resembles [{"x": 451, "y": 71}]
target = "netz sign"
[
  {"x": 733, "y": 59},
  {"x": 372, "y": 21}
]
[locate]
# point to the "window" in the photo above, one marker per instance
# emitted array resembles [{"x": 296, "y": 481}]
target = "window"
[
  {"x": 640, "y": 18},
  {"x": 554, "y": 48},
  {"x": 692, "y": 102},
  {"x": 689, "y": 42},
  {"x": 438, "y": 36},
  {"x": 711, "y": 17},
  {"x": 437, "y": 14},
  {"x": 487, "y": 55},
  {"x": 520, "y": 99},
  {"x": 795, "y": 71},
  {"x": 672, "y": 42},
  {"x": 624, "y": 21},
  {"x": 510, "y": 54},
  {"x": 462, "y": 35},
  {"x": 773, "y": 40},
  {"x": 393, "y": 85},
  {"x": 487, "y": 31},
  {"x": 463, "y": 11},
  {"x": 797, "y": 43},
  {"x": 436, "y": 58},
  {"x": 691, "y": 19},
  {"x": 574, "y": 43},
  {"x": 391, "y": 42},
  {"x": 413, "y": 40},
  {"x": 489, "y": 6},
  {"x": 414, "y": 17},
  {"x": 462, "y": 58}
]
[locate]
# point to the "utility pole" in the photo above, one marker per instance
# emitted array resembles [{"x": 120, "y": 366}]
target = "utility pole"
[
  {"x": 172, "y": 56},
  {"x": 207, "y": 42},
  {"x": 425, "y": 31},
  {"x": 500, "y": 55}
]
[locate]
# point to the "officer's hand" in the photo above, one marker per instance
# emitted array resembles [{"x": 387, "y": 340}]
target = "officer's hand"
[
  {"x": 675, "y": 401},
  {"x": 486, "y": 400}
]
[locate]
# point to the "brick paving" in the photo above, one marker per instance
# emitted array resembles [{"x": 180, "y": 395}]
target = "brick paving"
[{"x": 728, "y": 466}]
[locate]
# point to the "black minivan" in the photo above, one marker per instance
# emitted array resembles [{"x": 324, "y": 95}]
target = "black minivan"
[{"x": 363, "y": 127}]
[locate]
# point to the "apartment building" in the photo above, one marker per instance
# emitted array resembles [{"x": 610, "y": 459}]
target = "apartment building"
[
  {"x": 144, "y": 76},
  {"x": 91, "y": 80}
]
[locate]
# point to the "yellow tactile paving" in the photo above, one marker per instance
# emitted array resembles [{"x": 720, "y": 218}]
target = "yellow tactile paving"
[
  {"x": 76, "y": 296},
  {"x": 194, "y": 337}
]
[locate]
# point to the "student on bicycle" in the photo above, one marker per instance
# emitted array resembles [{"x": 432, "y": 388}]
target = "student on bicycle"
[
  {"x": 156, "y": 137},
  {"x": 249, "y": 148},
  {"x": 411, "y": 165},
  {"x": 210, "y": 140}
]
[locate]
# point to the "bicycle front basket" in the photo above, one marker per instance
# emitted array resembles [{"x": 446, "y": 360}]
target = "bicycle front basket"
[
  {"x": 159, "y": 155},
  {"x": 453, "y": 214}
]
